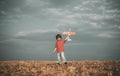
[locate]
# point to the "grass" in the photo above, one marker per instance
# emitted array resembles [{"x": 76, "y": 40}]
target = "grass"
[{"x": 51, "y": 68}]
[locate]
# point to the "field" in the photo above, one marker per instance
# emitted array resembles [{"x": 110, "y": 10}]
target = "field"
[{"x": 51, "y": 68}]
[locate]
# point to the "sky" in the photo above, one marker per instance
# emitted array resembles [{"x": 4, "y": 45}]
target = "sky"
[{"x": 28, "y": 29}]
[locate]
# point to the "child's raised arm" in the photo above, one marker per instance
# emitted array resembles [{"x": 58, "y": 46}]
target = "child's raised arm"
[{"x": 67, "y": 37}]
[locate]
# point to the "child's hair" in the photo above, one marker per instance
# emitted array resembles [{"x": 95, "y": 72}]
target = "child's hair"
[{"x": 58, "y": 36}]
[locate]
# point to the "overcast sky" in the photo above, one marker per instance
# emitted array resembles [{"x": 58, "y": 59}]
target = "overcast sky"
[{"x": 28, "y": 29}]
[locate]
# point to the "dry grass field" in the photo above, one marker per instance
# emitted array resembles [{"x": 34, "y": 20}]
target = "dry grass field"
[{"x": 51, "y": 68}]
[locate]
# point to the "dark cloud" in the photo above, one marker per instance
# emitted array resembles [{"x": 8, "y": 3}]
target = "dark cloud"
[{"x": 60, "y": 3}]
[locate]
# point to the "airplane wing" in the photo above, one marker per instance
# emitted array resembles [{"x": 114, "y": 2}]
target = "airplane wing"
[{"x": 71, "y": 33}]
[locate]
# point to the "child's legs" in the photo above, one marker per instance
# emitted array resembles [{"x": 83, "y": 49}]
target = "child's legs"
[
  {"x": 63, "y": 57},
  {"x": 59, "y": 57}
]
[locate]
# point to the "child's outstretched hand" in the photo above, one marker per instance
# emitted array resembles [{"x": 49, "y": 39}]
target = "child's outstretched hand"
[{"x": 69, "y": 34}]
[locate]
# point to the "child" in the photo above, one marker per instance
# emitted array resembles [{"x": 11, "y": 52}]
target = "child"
[{"x": 59, "y": 48}]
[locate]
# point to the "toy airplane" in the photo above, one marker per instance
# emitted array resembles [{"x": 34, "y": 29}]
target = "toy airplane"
[{"x": 69, "y": 33}]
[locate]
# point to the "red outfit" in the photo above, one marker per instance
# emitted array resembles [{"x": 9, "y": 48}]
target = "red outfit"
[{"x": 60, "y": 45}]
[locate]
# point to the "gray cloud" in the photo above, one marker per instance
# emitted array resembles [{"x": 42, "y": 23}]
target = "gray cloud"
[{"x": 27, "y": 25}]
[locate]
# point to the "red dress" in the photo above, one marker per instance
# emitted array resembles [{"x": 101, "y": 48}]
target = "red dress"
[{"x": 60, "y": 45}]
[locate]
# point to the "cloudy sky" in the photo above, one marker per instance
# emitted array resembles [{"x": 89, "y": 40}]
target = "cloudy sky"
[{"x": 28, "y": 29}]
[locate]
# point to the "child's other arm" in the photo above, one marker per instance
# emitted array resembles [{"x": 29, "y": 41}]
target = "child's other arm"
[{"x": 54, "y": 50}]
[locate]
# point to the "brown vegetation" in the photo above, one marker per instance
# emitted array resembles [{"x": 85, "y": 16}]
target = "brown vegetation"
[{"x": 73, "y": 68}]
